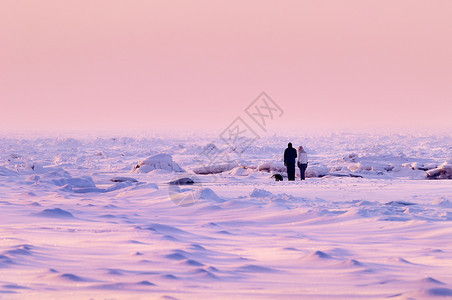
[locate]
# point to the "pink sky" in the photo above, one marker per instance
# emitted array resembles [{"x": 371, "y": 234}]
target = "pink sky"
[{"x": 154, "y": 65}]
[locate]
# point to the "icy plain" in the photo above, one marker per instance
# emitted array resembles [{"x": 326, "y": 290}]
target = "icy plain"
[{"x": 95, "y": 218}]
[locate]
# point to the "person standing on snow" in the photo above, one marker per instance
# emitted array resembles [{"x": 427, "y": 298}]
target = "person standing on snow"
[
  {"x": 302, "y": 162},
  {"x": 290, "y": 154}
]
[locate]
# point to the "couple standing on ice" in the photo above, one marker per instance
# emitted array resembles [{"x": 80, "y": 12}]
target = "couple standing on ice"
[{"x": 290, "y": 155}]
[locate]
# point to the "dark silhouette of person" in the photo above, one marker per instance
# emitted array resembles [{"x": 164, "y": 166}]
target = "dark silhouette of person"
[{"x": 290, "y": 154}]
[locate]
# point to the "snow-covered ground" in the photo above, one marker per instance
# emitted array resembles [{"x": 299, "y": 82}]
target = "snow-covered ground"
[{"x": 97, "y": 218}]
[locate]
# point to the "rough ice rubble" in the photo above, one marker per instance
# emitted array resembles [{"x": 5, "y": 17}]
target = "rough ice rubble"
[
  {"x": 316, "y": 171},
  {"x": 381, "y": 165},
  {"x": 214, "y": 169},
  {"x": 64, "y": 180},
  {"x": 443, "y": 171},
  {"x": 272, "y": 166},
  {"x": 351, "y": 165},
  {"x": 160, "y": 161}
]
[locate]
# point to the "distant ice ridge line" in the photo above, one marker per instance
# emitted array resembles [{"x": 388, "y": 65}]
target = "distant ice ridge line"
[{"x": 372, "y": 156}]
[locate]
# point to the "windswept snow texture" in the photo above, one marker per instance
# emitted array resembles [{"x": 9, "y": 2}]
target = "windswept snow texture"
[{"x": 82, "y": 219}]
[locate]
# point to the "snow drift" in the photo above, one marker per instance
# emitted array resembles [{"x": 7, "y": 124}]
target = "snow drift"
[{"x": 160, "y": 161}]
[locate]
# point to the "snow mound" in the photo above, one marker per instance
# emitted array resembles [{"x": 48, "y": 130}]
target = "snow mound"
[
  {"x": 256, "y": 269},
  {"x": 441, "y": 202},
  {"x": 209, "y": 194},
  {"x": 317, "y": 255},
  {"x": 165, "y": 229},
  {"x": 241, "y": 171},
  {"x": 260, "y": 193},
  {"x": 431, "y": 280},
  {"x": 56, "y": 213},
  {"x": 160, "y": 161},
  {"x": 73, "y": 277}
]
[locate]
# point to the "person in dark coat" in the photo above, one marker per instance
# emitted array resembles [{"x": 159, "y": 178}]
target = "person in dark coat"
[{"x": 290, "y": 154}]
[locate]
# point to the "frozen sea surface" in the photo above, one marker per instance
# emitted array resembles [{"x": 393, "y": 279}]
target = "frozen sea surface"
[{"x": 80, "y": 220}]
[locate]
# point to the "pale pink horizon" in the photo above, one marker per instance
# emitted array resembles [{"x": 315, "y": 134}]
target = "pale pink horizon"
[{"x": 153, "y": 65}]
